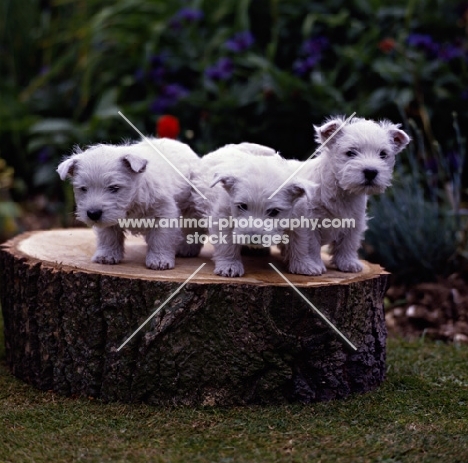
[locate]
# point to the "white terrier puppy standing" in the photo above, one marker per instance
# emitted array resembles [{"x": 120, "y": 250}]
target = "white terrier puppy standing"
[
  {"x": 113, "y": 182},
  {"x": 358, "y": 161},
  {"x": 238, "y": 179}
]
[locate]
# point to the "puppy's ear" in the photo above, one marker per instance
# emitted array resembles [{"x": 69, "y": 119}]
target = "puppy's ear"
[
  {"x": 228, "y": 181},
  {"x": 66, "y": 168},
  {"x": 325, "y": 131},
  {"x": 134, "y": 163},
  {"x": 399, "y": 138},
  {"x": 301, "y": 188},
  {"x": 294, "y": 190}
]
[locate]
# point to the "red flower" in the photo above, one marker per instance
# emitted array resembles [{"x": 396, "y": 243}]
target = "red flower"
[
  {"x": 168, "y": 127},
  {"x": 387, "y": 45}
]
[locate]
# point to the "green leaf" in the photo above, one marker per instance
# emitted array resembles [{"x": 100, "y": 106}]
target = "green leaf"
[
  {"x": 107, "y": 106},
  {"x": 9, "y": 209},
  {"x": 257, "y": 61},
  {"x": 308, "y": 24},
  {"x": 44, "y": 175},
  {"x": 36, "y": 144},
  {"x": 403, "y": 97},
  {"x": 388, "y": 70},
  {"x": 52, "y": 125}
]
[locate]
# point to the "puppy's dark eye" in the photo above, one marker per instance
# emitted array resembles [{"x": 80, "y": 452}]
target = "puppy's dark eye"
[
  {"x": 351, "y": 153},
  {"x": 243, "y": 207},
  {"x": 272, "y": 212},
  {"x": 83, "y": 189},
  {"x": 383, "y": 155},
  {"x": 114, "y": 188}
]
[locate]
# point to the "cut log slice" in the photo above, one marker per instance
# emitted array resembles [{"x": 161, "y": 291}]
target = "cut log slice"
[{"x": 218, "y": 341}]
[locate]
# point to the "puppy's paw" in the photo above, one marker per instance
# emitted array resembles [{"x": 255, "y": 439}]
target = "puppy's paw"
[
  {"x": 349, "y": 265},
  {"x": 188, "y": 250},
  {"x": 307, "y": 267},
  {"x": 229, "y": 269},
  {"x": 158, "y": 262},
  {"x": 106, "y": 259}
]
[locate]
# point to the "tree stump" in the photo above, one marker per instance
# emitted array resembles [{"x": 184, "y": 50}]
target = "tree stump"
[{"x": 219, "y": 341}]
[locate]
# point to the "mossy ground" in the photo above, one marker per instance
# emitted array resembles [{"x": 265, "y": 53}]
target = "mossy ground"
[{"x": 419, "y": 414}]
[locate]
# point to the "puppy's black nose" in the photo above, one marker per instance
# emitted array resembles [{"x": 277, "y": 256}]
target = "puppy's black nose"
[
  {"x": 370, "y": 174},
  {"x": 94, "y": 214}
]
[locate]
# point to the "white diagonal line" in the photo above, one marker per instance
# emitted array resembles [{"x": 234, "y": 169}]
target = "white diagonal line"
[
  {"x": 163, "y": 304},
  {"x": 163, "y": 156},
  {"x": 312, "y": 155},
  {"x": 325, "y": 319}
]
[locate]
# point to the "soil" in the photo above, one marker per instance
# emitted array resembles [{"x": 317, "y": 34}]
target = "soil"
[{"x": 437, "y": 310}]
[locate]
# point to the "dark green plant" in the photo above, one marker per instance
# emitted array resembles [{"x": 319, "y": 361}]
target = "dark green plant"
[
  {"x": 296, "y": 63},
  {"x": 416, "y": 227},
  {"x": 410, "y": 236},
  {"x": 9, "y": 210}
]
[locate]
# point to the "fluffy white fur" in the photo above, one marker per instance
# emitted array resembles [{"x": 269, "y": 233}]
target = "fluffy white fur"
[
  {"x": 255, "y": 149},
  {"x": 356, "y": 162},
  {"x": 238, "y": 179},
  {"x": 112, "y": 182}
]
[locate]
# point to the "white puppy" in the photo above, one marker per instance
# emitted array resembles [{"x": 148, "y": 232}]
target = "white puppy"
[
  {"x": 113, "y": 182},
  {"x": 255, "y": 149},
  {"x": 238, "y": 181},
  {"x": 356, "y": 162}
]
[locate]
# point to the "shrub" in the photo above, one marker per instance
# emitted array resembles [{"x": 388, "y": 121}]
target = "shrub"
[
  {"x": 262, "y": 70},
  {"x": 416, "y": 227}
]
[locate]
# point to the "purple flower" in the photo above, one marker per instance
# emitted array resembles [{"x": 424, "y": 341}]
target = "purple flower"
[
  {"x": 299, "y": 67},
  {"x": 157, "y": 75},
  {"x": 314, "y": 46},
  {"x": 310, "y": 55},
  {"x": 160, "y": 104},
  {"x": 186, "y": 15},
  {"x": 157, "y": 60},
  {"x": 448, "y": 52},
  {"x": 170, "y": 95},
  {"x": 44, "y": 154},
  {"x": 190, "y": 14},
  {"x": 175, "y": 91},
  {"x": 240, "y": 42},
  {"x": 157, "y": 71},
  {"x": 311, "y": 61},
  {"x": 445, "y": 52},
  {"x": 221, "y": 70},
  {"x": 464, "y": 95},
  {"x": 420, "y": 40},
  {"x": 303, "y": 66},
  {"x": 424, "y": 42}
]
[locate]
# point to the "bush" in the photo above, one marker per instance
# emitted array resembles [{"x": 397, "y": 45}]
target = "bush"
[
  {"x": 415, "y": 228},
  {"x": 251, "y": 70}
]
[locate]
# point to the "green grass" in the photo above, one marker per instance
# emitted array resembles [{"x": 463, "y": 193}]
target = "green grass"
[{"x": 419, "y": 415}]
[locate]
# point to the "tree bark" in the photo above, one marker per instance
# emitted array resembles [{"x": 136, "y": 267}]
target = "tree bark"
[{"x": 219, "y": 341}]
